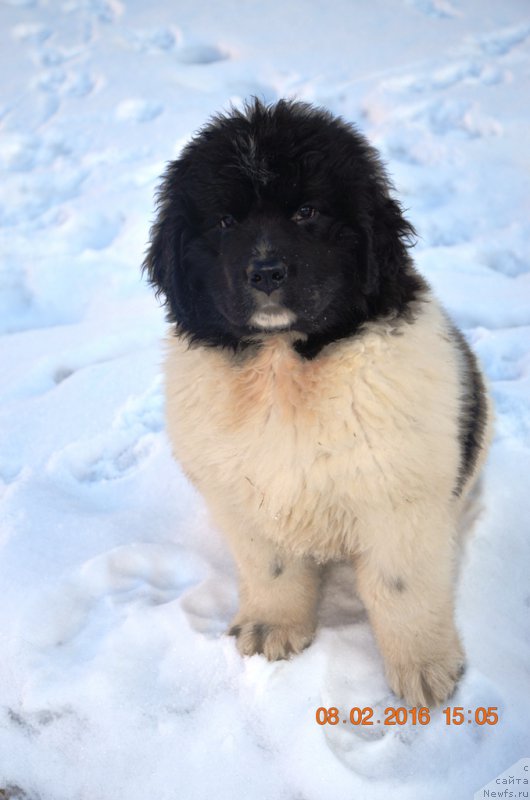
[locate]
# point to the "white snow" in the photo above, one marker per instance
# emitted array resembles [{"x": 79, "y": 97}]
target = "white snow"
[{"x": 116, "y": 678}]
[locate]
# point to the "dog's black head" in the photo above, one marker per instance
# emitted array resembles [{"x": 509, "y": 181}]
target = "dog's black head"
[{"x": 278, "y": 218}]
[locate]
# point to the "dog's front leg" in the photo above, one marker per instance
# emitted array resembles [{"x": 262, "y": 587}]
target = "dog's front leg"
[
  {"x": 278, "y": 599},
  {"x": 405, "y": 579}
]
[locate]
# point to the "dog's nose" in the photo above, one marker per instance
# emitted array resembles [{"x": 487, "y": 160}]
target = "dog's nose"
[{"x": 266, "y": 275}]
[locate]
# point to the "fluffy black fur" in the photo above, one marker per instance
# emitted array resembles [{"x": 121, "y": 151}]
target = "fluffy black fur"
[
  {"x": 232, "y": 200},
  {"x": 473, "y": 411}
]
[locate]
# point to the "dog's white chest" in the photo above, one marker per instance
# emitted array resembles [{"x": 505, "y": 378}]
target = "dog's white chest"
[
  {"x": 305, "y": 451},
  {"x": 277, "y": 435}
]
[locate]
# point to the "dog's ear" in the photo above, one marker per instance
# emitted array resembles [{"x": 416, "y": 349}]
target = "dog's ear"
[
  {"x": 164, "y": 258},
  {"x": 384, "y": 237}
]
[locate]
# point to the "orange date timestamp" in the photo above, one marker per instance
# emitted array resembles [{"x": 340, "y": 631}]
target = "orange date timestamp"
[{"x": 456, "y": 715}]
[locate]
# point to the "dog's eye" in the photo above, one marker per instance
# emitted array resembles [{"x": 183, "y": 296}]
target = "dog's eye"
[
  {"x": 227, "y": 221},
  {"x": 304, "y": 212}
]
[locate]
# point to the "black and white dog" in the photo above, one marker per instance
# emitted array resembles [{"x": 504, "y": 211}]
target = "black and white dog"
[{"x": 317, "y": 394}]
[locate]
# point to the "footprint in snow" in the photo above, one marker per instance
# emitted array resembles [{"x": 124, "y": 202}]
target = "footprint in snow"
[
  {"x": 201, "y": 54},
  {"x": 438, "y": 9},
  {"x": 106, "y": 11},
  {"x": 66, "y": 83},
  {"x": 157, "y": 40},
  {"x": 31, "y": 723},
  {"x": 36, "y": 197},
  {"x": 13, "y": 792},
  {"x": 21, "y": 3},
  {"x": 465, "y": 71},
  {"x": 169, "y": 40},
  {"x": 500, "y": 43},
  {"x": 458, "y": 116},
  {"x": 138, "y": 110},
  {"x": 211, "y": 605},
  {"x": 505, "y": 369},
  {"x": 148, "y": 573},
  {"x": 506, "y": 261},
  {"x": 118, "y": 453},
  {"x": 92, "y": 230},
  {"x": 61, "y": 374},
  {"x": 55, "y": 56},
  {"x": 107, "y": 589},
  {"x": 471, "y": 71},
  {"x": 34, "y": 33}
]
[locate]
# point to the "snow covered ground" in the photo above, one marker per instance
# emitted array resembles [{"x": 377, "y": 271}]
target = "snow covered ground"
[{"x": 116, "y": 680}]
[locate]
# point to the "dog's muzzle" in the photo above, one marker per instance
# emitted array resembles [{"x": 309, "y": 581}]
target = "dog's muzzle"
[{"x": 267, "y": 274}]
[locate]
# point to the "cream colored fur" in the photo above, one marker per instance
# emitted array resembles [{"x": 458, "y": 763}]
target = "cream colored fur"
[{"x": 351, "y": 455}]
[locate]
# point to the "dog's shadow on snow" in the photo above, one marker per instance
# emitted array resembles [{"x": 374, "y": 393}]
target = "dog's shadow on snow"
[{"x": 339, "y": 605}]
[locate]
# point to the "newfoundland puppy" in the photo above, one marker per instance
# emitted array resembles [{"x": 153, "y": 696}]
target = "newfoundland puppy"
[{"x": 318, "y": 396}]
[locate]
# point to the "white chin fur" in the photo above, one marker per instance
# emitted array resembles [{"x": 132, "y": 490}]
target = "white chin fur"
[{"x": 273, "y": 319}]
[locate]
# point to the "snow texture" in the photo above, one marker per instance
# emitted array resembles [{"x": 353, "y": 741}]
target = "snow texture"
[{"x": 116, "y": 677}]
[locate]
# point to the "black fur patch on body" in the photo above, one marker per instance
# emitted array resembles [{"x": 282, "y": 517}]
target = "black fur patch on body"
[
  {"x": 277, "y": 568},
  {"x": 473, "y": 411}
]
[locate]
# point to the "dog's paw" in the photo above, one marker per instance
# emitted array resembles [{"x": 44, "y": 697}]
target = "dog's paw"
[
  {"x": 429, "y": 683},
  {"x": 275, "y": 641}
]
